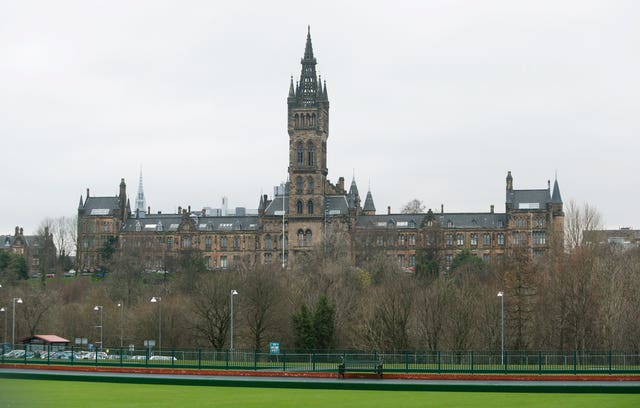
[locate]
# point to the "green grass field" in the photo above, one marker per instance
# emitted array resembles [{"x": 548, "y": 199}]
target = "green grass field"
[{"x": 69, "y": 394}]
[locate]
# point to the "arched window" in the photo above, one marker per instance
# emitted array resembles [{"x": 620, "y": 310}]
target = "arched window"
[
  {"x": 268, "y": 245},
  {"x": 307, "y": 237},
  {"x": 299, "y": 207},
  {"x": 300, "y": 237},
  {"x": 300, "y": 154},
  {"x": 313, "y": 119},
  {"x": 299, "y": 184},
  {"x": 310, "y": 207},
  {"x": 310, "y": 184},
  {"x": 311, "y": 153},
  {"x": 297, "y": 121}
]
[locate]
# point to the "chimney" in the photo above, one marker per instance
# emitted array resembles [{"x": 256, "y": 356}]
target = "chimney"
[
  {"x": 179, "y": 210},
  {"x": 441, "y": 208},
  {"x": 388, "y": 210},
  {"x": 204, "y": 212},
  {"x": 87, "y": 193},
  {"x": 189, "y": 210},
  {"x": 491, "y": 208},
  {"x": 341, "y": 184},
  {"x": 17, "y": 231},
  {"x": 149, "y": 210},
  {"x": 21, "y": 231}
]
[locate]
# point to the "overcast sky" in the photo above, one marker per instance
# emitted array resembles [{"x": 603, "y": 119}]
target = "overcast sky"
[{"x": 434, "y": 100}]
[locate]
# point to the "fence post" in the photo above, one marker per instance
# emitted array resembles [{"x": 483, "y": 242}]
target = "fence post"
[
  {"x": 173, "y": 357},
  {"x": 255, "y": 360},
  {"x": 406, "y": 361},
  {"x": 48, "y": 354},
  {"x": 539, "y": 362},
  {"x": 472, "y": 361},
  {"x": 506, "y": 362},
  {"x": 610, "y": 362},
  {"x": 439, "y": 362},
  {"x": 284, "y": 361},
  {"x": 575, "y": 362},
  {"x": 313, "y": 361},
  {"x": 199, "y": 359},
  {"x": 227, "y": 357}
]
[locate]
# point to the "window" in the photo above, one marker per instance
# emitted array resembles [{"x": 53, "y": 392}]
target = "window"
[
  {"x": 307, "y": 237},
  {"x": 412, "y": 261},
  {"x": 268, "y": 245},
  {"x": 236, "y": 242},
  {"x": 223, "y": 261},
  {"x": 401, "y": 240},
  {"x": 268, "y": 258},
  {"x": 310, "y": 207},
  {"x": 486, "y": 239},
  {"x": 449, "y": 224},
  {"x": 186, "y": 242},
  {"x": 223, "y": 242},
  {"x": 310, "y": 184},
  {"x": 311, "y": 154},
  {"x": 380, "y": 240},
  {"x": 207, "y": 261},
  {"x": 474, "y": 239},
  {"x": 519, "y": 238},
  {"x": 447, "y": 260},
  {"x": 299, "y": 185},
  {"x": 538, "y": 253},
  {"x": 300, "y": 237},
  {"x": 520, "y": 222},
  {"x": 412, "y": 239},
  {"x": 169, "y": 243},
  {"x": 539, "y": 237},
  {"x": 401, "y": 260},
  {"x": 300, "y": 154},
  {"x": 501, "y": 239},
  {"x": 460, "y": 239},
  {"x": 539, "y": 222},
  {"x": 449, "y": 239},
  {"x": 299, "y": 207}
]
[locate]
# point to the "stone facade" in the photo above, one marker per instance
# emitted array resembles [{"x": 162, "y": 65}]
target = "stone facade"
[{"x": 309, "y": 208}]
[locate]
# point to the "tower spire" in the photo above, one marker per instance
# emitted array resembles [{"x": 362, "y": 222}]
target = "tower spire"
[{"x": 141, "y": 204}]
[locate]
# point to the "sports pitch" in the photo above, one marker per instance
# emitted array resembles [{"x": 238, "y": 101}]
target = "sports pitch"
[{"x": 69, "y": 394}]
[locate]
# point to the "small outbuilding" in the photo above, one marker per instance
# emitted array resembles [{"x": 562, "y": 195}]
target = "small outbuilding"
[{"x": 41, "y": 342}]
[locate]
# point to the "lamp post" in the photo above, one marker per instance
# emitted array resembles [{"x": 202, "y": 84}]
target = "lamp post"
[
  {"x": 501, "y": 296},
  {"x": 121, "y": 306},
  {"x": 100, "y": 308},
  {"x": 157, "y": 299},
  {"x": 13, "y": 323},
  {"x": 233, "y": 292},
  {"x": 4, "y": 339}
]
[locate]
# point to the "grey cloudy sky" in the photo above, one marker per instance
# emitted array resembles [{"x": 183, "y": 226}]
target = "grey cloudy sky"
[{"x": 434, "y": 100}]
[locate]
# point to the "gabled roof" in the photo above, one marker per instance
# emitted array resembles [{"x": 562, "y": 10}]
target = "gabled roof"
[
  {"x": 47, "y": 338},
  {"x": 471, "y": 220},
  {"x": 528, "y": 199}
]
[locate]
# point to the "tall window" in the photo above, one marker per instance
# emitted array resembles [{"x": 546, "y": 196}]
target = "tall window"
[
  {"x": 311, "y": 151},
  {"x": 236, "y": 242},
  {"x": 539, "y": 237},
  {"x": 300, "y": 154},
  {"x": 310, "y": 207},
  {"x": 501, "y": 239},
  {"x": 449, "y": 239},
  {"x": 412, "y": 239},
  {"x": 474, "y": 239},
  {"x": 307, "y": 237},
  {"x": 310, "y": 184},
  {"x": 223, "y": 242},
  {"x": 300, "y": 237},
  {"x": 299, "y": 185},
  {"x": 223, "y": 261},
  {"x": 268, "y": 245},
  {"x": 299, "y": 207},
  {"x": 460, "y": 239},
  {"x": 207, "y": 243},
  {"x": 486, "y": 239}
]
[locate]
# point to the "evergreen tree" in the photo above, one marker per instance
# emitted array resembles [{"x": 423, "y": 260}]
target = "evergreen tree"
[
  {"x": 324, "y": 324},
  {"x": 304, "y": 336}
]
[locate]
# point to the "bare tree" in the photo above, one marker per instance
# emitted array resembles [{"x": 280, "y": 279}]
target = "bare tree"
[
  {"x": 578, "y": 220},
  {"x": 414, "y": 206},
  {"x": 433, "y": 309},
  {"x": 211, "y": 314}
]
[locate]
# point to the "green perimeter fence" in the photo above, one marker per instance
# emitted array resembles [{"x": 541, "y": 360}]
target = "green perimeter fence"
[{"x": 472, "y": 362}]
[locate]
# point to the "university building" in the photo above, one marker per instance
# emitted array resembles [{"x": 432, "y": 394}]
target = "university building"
[{"x": 310, "y": 208}]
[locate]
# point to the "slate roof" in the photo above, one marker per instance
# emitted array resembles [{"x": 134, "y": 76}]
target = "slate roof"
[
  {"x": 95, "y": 205},
  {"x": 527, "y": 199},
  {"x": 276, "y": 205},
  {"x": 368, "y": 203},
  {"x": 336, "y": 205},
  {"x": 458, "y": 220},
  {"x": 170, "y": 222}
]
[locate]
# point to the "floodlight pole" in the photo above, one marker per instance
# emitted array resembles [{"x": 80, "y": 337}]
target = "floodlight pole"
[
  {"x": 4, "y": 339},
  {"x": 501, "y": 296},
  {"x": 13, "y": 323},
  {"x": 157, "y": 299},
  {"x": 121, "y": 306},
  {"x": 233, "y": 292},
  {"x": 100, "y": 308}
]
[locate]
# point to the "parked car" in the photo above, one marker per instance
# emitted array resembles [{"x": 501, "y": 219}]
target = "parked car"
[{"x": 163, "y": 358}]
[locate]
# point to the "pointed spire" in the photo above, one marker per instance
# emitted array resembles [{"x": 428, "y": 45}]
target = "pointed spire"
[
  {"x": 324, "y": 92},
  {"x": 81, "y": 204},
  {"x": 369, "y": 207},
  {"x": 555, "y": 197},
  {"x": 141, "y": 204},
  {"x": 308, "y": 49},
  {"x": 292, "y": 93}
]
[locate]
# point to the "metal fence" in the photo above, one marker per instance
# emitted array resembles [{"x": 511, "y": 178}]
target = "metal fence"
[{"x": 531, "y": 362}]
